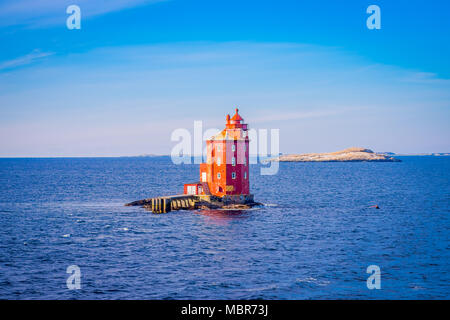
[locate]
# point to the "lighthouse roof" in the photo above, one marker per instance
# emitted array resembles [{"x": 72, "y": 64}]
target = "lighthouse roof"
[
  {"x": 220, "y": 136},
  {"x": 227, "y": 134},
  {"x": 236, "y": 116}
]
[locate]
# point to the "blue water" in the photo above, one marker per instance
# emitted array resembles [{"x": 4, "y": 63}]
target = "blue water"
[{"x": 314, "y": 238}]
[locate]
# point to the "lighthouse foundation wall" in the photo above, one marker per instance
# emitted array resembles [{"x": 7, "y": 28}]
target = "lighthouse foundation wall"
[{"x": 192, "y": 202}]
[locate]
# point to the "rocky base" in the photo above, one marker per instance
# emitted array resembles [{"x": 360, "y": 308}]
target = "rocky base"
[
  {"x": 192, "y": 202},
  {"x": 142, "y": 203},
  {"x": 238, "y": 206}
]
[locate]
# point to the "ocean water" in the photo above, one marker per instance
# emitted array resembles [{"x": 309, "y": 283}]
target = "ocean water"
[{"x": 313, "y": 239}]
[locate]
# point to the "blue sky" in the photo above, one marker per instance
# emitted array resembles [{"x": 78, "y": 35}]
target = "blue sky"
[{"x": 137, "y": 70}]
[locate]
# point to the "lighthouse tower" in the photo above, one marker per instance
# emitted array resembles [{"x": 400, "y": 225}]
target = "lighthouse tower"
[{"x": 225, "y": 175}]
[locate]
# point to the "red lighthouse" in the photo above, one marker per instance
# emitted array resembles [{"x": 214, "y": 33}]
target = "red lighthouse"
[{"x": 225, "y": 175}]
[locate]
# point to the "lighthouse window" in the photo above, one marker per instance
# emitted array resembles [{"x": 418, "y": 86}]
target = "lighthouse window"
[
  {"x": 218, "y": 148},
  {"x": 218, "y": 161},
  {"x": 218, "y": 175},
  {"x": 233, "y": 148},
  {"x": 245, "y": 175},
  {"x": 233, "y": 161},
  {"x": 233, "y": 175}
]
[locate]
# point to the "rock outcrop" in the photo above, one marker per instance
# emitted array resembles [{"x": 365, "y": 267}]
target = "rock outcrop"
[
  {"x": 347, "y": 155},
  {"x": 190, "y": 202}
]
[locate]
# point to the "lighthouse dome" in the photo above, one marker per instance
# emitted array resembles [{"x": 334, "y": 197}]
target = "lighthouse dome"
[{"x": 237, "y": 117}]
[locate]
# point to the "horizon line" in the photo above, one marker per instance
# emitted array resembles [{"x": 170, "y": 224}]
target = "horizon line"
[{"x": 193, "y": 156}]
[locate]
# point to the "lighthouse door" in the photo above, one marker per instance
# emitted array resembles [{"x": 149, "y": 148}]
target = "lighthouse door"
[{"x": 203, "y": 176}]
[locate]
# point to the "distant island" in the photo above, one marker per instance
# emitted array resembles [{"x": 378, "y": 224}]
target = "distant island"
[{"x": 348, "y": 155}]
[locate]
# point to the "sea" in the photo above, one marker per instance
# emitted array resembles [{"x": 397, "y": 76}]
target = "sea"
[{"x": 317, "y": 235}]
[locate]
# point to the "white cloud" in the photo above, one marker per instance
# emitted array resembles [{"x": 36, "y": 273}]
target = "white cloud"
[
  {"x": 48, "y": 12},
  {"x": 298, "y": 115},
  {"x": 24, "y": 60}
]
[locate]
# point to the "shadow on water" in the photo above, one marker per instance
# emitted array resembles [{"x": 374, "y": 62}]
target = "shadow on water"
[{"x": 220, "y": 215}]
